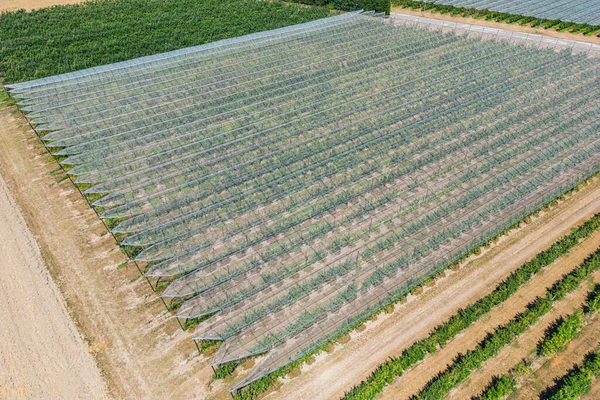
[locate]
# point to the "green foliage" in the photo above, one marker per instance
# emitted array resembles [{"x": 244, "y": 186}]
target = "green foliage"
[
  {"x": 578, "y": 381},
  {"x": 5, "y": 99},
  {"x": 442, "y": 384},
  {"x": 561, "y": 333},
  {"x": 223, "y": 370},
  {"x": 592, "y": 304},
  {"x": 386, "y": 372},
  {"x": 67, "y": 38},
  {"x": 367, "y": 5},
  {"x": 556, "y": 338},
  {"x": 205, "y": 345},
  {"x": 565, "y": 329},
  {"x": 499, "y": 388},
  {"x": 498, "y": 16},
  {"x": 350, "y": 5}
]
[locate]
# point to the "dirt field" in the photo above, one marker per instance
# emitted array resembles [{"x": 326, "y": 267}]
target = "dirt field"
[
  {"x": 140, "y": 349},
  {"x": 491, "y": 24},
  {"x": 13, "y": 5},
  {"x": 41, "y": 353}
]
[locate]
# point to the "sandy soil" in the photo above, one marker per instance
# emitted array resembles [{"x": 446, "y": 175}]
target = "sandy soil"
[
  {"x": 333, "y": 374},
  {"x": 13, "y": 5},
  {"x": 42, "y": 354},
  {"x": 491, "y": 24},
  {"x": 139, "y": 347},
  {"x": 416, "y": 378}
]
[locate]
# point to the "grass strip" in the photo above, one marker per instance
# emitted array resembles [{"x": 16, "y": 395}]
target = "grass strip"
[
  {"x": 460, "y": 370},
  {"x": 438, "y": 338}
]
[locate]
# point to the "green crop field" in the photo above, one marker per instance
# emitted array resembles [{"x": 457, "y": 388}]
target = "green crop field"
[{"x": 61, "y": 39}]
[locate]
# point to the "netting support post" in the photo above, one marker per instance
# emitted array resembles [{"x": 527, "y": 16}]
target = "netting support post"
[
  {"x": 163, "y": 301},
  {"x": 181, "y": 325},
  {"x": 198, "y": 347}
]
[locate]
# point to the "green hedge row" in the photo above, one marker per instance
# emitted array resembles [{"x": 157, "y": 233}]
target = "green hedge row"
[
  {"x": 442, "y": 384},
  {"x": 61, "y": 39},
  {"x": 386, "y": 372},
  {"x": 499, "y": 388},
  {"x": 563, "y": 331},
  {"x": 350, "y": 5},
  {"x": 555, "y": 340},
  {"x": 499, "y": 17},
  {"x": 578, "y": 381},
  {"x": 567, "y": 328}
]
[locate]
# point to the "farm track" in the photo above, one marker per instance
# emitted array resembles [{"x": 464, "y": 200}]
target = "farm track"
[
  {"x": 558, "y": 365},
  {"x": 141, "y": 351},
  {"x": 42, "y": 355},
  {"x": 414, "y": 379},
  {"x": 524, "y": 345},
  {"x": 331, "y": 375}
]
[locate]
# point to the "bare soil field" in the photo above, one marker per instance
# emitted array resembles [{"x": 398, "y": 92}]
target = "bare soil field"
[
  {"x": 140, "y": 349},
  {"x": 416, "y": 378},
  {"x": 498, "y": 25},
  {"x": 42, "y": 355},
  {"x": 28, "y": 5}
]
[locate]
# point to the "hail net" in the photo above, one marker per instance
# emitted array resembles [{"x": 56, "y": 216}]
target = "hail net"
[{"x": 290, "y": 183}]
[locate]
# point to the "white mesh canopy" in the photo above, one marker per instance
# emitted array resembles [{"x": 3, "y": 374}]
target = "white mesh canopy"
[{"x": 293, "y": 182}]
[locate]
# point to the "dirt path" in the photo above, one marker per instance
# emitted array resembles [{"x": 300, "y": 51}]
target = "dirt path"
[
  {"x": 41, "y": 353},
  {"x": 415, "y": 379},
  {"x": 498, "y": 25},
  {"x": 333, "y": 374},
  {"x": 13, "y": 5},
  {"x": 525, "y": 345},
  {"x": 139, "y": 347}
]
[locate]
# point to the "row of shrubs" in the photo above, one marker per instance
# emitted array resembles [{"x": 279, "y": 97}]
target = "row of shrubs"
[
  {"x": 350, "y": 5},
  {"x": 386, "y": 372},
  {"x": 555, "y": 340},
  {"x": 565, "y": 329},
  {"x": 458, "y": 371},
  {"x": 499, "y": 16},
  {"x": 578, "y": 381}
]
